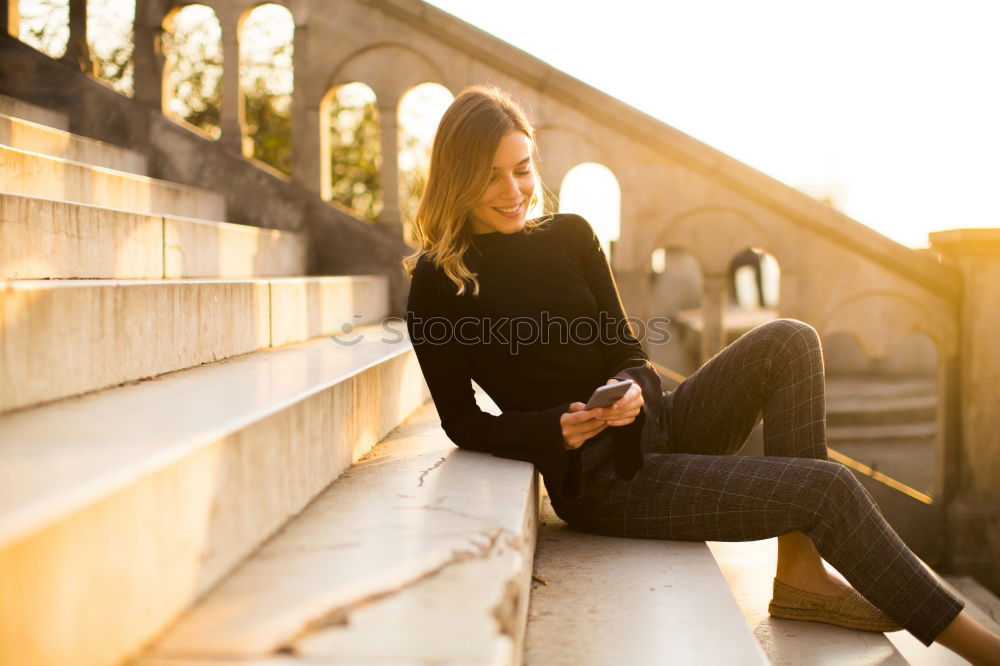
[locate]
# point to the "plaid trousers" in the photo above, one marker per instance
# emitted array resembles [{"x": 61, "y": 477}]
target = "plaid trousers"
[{"x": 693, "y": 488}]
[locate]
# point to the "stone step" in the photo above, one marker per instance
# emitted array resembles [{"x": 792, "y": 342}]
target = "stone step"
[
  {"x": 610, "y": 600},
  {"x": 203, "y": 248},
  {"x": 895, "y": 432},
  {"x": 37, "y": 175},
  {"x": 16, "y": 108},
  {"x": 119, "y": 509},
  {"x": 44, "y": 238},
  {"x": 419, "y": 554},
  {"x": 749, "y": 568},
  {"x": 68, "y": 337},
  {"x": 869, "y": 410},
  {"x": 38, "y": 138},
  {"x": 840, "y": 387}
]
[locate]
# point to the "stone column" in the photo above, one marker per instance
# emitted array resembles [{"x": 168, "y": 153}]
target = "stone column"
[
  {"x": 974, "y": 509},
  {"x": 77, "y": 50},
  {"x": 714, "y": 294},
  {"x": 390, "y": 218},
  {"x": 148, "y": 56},
  {"x": 231, "y": 114},
  {"x": 305, "y": 116},
  {"x": 10, "y": 15}
]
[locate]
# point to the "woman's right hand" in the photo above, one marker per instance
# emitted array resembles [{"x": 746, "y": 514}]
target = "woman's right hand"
[{"x": 579, "y": 424}]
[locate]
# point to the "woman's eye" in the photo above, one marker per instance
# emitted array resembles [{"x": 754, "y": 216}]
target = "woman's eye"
[{"x": 519, "y": 173}]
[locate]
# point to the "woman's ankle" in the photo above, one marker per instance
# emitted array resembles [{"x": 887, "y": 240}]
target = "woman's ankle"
[{"x": 971, "y": 640}]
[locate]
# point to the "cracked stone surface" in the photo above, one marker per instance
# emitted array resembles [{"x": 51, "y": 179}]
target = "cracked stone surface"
[
  {"x": 420, "y": 539},
  {"x": 468, "y": 606}
]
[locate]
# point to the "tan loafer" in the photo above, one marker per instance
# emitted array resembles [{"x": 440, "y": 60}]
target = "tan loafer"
[{"x": 849, "y": 610}]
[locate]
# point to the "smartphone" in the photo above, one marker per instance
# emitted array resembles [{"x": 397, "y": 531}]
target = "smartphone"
[{"x": 605, "y": 396}]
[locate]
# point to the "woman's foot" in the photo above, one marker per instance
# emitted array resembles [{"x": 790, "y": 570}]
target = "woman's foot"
[
  {"x": 804, "y": 589},
  {"x": 800, "y": 565},
  {"x": 848, "y": 609},
  {"x": 816, "y": 581}
]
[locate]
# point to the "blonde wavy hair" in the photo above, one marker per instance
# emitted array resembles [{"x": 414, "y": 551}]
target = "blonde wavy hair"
[{"x": 466, "y": 140}]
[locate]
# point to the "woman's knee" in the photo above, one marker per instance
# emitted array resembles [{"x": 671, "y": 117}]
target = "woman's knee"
[
  {"x": 787, "y": 327},
  {"x": 793, "y": 336},
  {"x": 833, "y": 484}
]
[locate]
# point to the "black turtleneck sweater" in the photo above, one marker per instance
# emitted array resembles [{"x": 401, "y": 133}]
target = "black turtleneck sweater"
[{"x": 531, "y": 282}]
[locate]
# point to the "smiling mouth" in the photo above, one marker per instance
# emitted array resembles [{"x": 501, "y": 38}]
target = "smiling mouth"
[{"x": 509, "y": 211}]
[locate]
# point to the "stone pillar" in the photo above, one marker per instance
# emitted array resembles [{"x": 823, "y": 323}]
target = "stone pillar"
[
  {"x": 390, "y": 218},
  {"x": 974, "y": 509},
  {"x": 148, "y": 56},
  {"x": 305, "y": 125},
  {"x": 714, "y": 294},
  {"x": 232, "y": 113},
  {"x": 77, "y": 50},
  {"x": 10, "y": 15}
]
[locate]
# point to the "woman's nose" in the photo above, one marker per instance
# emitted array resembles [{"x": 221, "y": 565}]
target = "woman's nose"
[{"x": 510, "y": 186}]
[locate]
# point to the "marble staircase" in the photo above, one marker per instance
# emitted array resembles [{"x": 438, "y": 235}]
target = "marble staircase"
[
  {"x": 208, "y": 458},
  {"x": 173, "y": 390}
]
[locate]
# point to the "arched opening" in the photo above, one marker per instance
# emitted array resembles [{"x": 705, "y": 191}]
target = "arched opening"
[
  {"x": 591, "y": 190},
  {"x": 44, "y": 25},
  {"x": 754, "y": 280},
  {"x": 266, "y": 81},
  {"x": 420, "y": 111},
  {"x": 110, "y": 38},
  {"x": 675, "y": 293},
  {"x": 192, "y": 69},
  {"x": 351, "y": 150}
]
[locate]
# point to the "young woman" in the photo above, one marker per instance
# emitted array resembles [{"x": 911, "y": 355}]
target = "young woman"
[{"x": 530, "y": 310}]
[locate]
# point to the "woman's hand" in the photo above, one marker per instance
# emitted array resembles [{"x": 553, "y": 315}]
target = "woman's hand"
[
  {"x": 627, "y": 407},
  {"x": 579, "y": 424}
]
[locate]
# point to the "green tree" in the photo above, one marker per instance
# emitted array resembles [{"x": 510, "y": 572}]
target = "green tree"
[
  {"x": 268, "y": 124},
  {"x": 356, "y": 158},
  {"x": 194, "y": 63}
]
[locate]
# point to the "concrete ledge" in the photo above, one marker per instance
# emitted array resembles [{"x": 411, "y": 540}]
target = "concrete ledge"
[
  {"x": 10, "y": 106},
  {"x": 45, "y": 238},
  {"x": 37, "y": 175},
  {"x": 419, "y": 554},
  {"x": 39, "y": 138},
  {"x": 119, "y": 509},
  {"x": 67, "y": 337}
]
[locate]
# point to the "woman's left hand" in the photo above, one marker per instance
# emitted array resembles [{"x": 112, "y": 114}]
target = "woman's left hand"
[{"x": 627, "y": 407}]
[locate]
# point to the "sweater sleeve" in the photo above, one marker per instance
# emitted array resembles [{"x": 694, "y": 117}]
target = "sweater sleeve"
[
  {"x": 622, "y": 349},
  {"x": 530, "y": 436},
  {"x": 626, "y": 357}
]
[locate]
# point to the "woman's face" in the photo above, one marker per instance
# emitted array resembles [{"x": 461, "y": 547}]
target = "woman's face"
[{"x": 512, "y": 182}]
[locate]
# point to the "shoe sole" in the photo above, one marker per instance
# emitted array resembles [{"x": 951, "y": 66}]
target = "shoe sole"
[{"x": 827, "y": 617}]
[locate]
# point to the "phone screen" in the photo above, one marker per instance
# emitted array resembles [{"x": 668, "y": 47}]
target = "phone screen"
[{"x": 605, "y": 396}]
